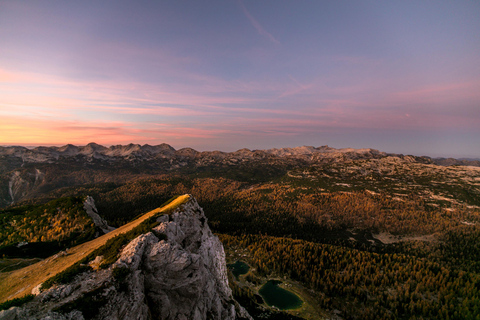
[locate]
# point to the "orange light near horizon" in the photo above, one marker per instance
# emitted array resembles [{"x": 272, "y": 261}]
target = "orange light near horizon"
[
  {"x": 28, "y": 131},
  {"x": 24, "y": 131}
]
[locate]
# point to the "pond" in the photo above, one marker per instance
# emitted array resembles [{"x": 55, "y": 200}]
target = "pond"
[
  {"x": 238, "y": 268},
  {"x": 279, "y": 297}
]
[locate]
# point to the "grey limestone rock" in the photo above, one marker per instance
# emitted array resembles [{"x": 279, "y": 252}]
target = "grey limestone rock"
[{"x": 89, "y": 206}]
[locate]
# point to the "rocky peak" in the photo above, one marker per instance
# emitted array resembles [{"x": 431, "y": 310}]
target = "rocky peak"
[
  {"x": 186, "y": 152},
  {"x": 92, "y": 148},
  {"x": 68, "y": 150},
  {"x": 166, "y": 148},
  {"x": 152, "y": 150},
  {"x": 175, "y": 271}
]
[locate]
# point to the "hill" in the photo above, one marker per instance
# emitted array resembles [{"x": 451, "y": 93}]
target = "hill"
[
  {"x": 20, "y": 282},
  {"x": 355, "y": 233}
]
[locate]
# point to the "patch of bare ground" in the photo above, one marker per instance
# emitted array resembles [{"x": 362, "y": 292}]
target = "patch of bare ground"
[
  {"x": 452, "y": 201},
  {"x": 388, "y": 238}
]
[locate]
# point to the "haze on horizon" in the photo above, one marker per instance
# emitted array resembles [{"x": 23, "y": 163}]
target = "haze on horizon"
[{"x": 398, "y": 76}]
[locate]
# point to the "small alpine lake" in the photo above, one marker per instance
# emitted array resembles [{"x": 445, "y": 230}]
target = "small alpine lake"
[
  {"x": 238, "y": 268},
  {"x": 279, "y": 297}
]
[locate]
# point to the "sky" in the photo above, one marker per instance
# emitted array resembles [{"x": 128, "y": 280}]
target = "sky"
[{"x": 398, "y": 76}]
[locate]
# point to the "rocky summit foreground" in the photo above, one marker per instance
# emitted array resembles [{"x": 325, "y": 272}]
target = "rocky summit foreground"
[{"x": 175, "y": 271}]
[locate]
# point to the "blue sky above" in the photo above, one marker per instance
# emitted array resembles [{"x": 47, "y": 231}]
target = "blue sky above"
[{"x": 399, "y": 76}]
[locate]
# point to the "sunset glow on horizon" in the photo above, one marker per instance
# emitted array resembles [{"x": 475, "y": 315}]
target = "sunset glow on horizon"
[{"x": 398, "y": 76}]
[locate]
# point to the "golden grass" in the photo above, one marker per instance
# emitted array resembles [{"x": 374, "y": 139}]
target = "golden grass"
[{"x": 20, "y": 282}]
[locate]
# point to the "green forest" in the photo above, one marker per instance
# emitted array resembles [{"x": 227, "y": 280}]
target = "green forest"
[{"x": 367, "y": 285}]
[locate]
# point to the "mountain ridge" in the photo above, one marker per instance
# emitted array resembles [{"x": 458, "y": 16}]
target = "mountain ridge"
[
  {"x": 93, "y": 150},
  {"x": 30, "y": 173},
  {"x": 174, "y": 269},
  {"x": 129, "y": 151},
  {"x": 13, "y": 283}
]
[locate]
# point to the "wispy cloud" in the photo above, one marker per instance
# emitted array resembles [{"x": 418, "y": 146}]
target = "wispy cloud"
[
  {"x": 257, "y": 25},
  {"x": 298, "y": 88},
  {"x": 441, "y": 93}
]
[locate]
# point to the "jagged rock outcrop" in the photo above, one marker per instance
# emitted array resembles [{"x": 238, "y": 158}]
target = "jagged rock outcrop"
[
  {"x": 91, "y": 210},
  {"x": 177, "y": 271}
]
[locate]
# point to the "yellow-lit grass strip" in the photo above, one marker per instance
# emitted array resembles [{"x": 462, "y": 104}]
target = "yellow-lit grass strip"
[{"x": 20, "y": 282}]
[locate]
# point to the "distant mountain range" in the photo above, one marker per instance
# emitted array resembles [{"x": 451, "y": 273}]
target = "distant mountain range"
[
  {"x": 457, "y": 162},
  {"x": 27, "y": 173},
  {"x": 147, "y": 152}
]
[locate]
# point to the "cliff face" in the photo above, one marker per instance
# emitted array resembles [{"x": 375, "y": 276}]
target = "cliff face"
[{"x": 176, "y": 271}]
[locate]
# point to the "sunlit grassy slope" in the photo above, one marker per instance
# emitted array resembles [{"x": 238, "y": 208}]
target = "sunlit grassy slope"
[{"x": 20, "y": 282}]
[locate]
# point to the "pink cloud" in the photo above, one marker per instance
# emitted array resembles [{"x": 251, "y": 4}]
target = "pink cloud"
[
  {"x": 440, "y": 92},
  {"x": 51, "y": 92},
  {"x": 31, "y": 131},
  {"x": 45, "y": 109}
]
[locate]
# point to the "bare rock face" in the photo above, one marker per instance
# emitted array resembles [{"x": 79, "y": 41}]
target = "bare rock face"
[
  {"x": 91, "y": 210},
  {"x": 177, "y": 271},
  {"x": 186, "y": 275}
]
